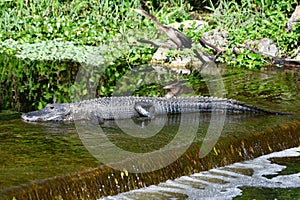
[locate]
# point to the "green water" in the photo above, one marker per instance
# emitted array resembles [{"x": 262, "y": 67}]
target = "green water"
[
  {"x": 32, "y": 152},
  {"x": 292, "y": 166},
  {"x": 269, "y": 193},
  {"x": 36, "y": 151}
]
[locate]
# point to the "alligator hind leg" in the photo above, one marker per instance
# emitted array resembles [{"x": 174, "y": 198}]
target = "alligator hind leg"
[{"x": 144, "y": 109}]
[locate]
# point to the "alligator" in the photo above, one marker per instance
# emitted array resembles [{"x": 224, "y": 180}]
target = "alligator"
[{"x": 108, "y": 108}]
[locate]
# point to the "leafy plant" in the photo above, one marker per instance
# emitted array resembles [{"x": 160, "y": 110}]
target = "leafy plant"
[
  {"x": 254, "y": 20},
  {"x": 44, "y": 43}
]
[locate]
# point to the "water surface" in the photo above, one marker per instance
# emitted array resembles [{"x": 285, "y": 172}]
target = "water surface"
[{"x": 37, "y": 151}]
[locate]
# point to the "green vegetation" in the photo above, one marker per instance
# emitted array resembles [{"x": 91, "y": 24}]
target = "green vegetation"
[
  {"x": 89, "y": 22},
  {"x": 44, "y": 43},
  {"x": 254, "y": 20}
]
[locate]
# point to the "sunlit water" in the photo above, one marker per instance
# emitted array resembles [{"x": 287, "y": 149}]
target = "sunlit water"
[{"x": 253, "y": 179}]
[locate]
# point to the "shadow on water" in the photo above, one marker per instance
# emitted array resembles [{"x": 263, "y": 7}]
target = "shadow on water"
[{"x": 49, "y": 160}]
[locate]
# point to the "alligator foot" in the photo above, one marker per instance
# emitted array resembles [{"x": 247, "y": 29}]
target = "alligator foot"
[{"x": 144, "y": 109}]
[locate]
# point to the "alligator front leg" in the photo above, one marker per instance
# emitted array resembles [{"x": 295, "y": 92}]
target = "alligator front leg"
[{"x": 144, "y": 109}]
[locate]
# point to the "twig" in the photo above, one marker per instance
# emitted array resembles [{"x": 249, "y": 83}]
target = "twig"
[
  {"x": 214, "y": 47},
  {"x": 280, "y": 61}
]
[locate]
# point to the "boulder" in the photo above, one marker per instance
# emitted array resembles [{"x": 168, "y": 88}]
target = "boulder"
[
  {"x": 294, "y": 19},
  {"x": 268, "y": 47}
]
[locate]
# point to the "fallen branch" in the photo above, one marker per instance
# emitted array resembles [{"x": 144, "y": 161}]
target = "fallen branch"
[
  {"x": 280, "y": 61},
  {"x": 214, "y": 47}
]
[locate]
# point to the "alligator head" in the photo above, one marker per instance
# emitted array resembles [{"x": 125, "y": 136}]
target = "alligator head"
[{"x": 51, "y": 112}]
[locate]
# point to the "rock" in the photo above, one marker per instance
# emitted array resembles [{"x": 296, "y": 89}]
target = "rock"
[
  {"x": 296, "y": 55},
  {"x": 160, "y": 56},
  {"x": 294, "y": 19},
  {"x": 266, "y": 46},
  {"x": 181, "y": 64},
  {"x": 216, "y": 37}
]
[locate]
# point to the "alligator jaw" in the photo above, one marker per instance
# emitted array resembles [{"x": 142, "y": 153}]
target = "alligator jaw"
[
  {"x": 52, "y": 112},
  {"x": 36, "y": 116}
]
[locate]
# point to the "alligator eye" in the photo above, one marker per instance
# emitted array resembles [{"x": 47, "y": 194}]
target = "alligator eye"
[{"x": 51, "y": 107}]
